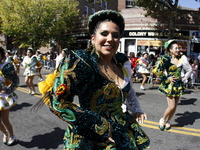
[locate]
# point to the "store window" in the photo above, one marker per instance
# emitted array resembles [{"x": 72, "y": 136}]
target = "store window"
[
  {"x": 155, "y": 45},
  {"x": 100, "y": 3},
  {"x": 129, "y": 3},
  {"x": 92, "y": 11},
  {"x": 85, "y": 10},
  {"x": 105, "y": 5},
  {"x": 143, "y": 46},
  {"x": 130, "y": 47}
]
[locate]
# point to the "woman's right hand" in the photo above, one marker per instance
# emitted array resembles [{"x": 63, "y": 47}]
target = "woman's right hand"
[
  {"x": 172, "y": 79},
  {"x": 111, "y": 139}
]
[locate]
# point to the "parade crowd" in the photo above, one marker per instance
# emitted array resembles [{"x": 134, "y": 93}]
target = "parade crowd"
[{"x": 142, "y": 65}]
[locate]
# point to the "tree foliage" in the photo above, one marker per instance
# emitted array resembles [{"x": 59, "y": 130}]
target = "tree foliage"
[
  {"x": 37, "y": 22},
  {"x": 165, "y": 11}
]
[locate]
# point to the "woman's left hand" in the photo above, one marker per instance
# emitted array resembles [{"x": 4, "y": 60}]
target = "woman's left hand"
[{"x": 140, "y": 117}]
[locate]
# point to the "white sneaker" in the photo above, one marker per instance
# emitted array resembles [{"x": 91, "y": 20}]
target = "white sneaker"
[
  {"x": 12, "y": 140},
  {"x": 161, "y": 124},
  {"x": 142, "y": 88},
  {"x": 40, "y": 79}
]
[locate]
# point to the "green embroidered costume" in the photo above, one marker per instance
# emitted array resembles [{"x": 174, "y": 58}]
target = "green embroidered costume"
[
  {"x": 165, "y": 68},
  {"x": 9, "y": 81},
  {"x": 100, "y": 105}
]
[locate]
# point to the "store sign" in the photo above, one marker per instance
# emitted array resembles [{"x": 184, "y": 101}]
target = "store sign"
[
  {"x": 149, "y": 43},
  {"x": 144, "y": 34},
  {"x": 150, "y": 33},
  {"x": 155, "y": 43},
  {"x": 143, "y": 42},
  {"x": 182, "y": 44}
]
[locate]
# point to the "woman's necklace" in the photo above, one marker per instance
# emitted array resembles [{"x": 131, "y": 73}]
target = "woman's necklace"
[
  {"x": 110, "y": 78},
  {"x": 107, "y": 74}
]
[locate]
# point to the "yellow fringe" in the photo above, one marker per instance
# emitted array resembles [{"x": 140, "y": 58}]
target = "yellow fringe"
[
  {"x": 46, "y": 86},
  {"x": 47, "y": 101}
]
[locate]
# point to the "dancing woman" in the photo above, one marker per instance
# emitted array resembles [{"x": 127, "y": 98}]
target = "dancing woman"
[
  {"x": 8, "y": 83},
  {"x": 101, "y": 78},
  {"x": 30, "y": 63},
  {"x": 169, "y": 68}
]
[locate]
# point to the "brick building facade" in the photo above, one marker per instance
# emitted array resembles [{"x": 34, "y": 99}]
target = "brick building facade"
[{"x": 85, "y": 10}]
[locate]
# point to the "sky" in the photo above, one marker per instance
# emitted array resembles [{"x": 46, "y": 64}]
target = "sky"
[{"x": 189, "y": 3}]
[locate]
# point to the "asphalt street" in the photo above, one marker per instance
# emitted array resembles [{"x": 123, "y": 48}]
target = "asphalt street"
[{"x": 43, "y": 130}]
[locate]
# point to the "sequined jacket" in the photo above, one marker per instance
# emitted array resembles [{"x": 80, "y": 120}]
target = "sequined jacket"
[{"x": 100, "y": 100}]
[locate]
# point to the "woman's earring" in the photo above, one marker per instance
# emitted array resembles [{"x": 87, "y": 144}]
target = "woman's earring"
[{"x": 93, "y": 47}]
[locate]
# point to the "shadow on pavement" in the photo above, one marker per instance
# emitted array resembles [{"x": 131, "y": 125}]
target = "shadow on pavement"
[
  {"x": 190, "y": 101},
  {"x": 25, "y": 86},
  {"x": 153, "y": 88},
  {"x": 46, "y": 141},
  {"x": 22, "y": 86},
  {"x": 20, "y": 106},
  {"x": 139, "y": 94},
  {"x": 186, "y": 118},
  {"x": 187, "y": 91}
]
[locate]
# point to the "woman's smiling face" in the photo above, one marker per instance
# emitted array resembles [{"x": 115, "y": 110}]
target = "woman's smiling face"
[
  {"x": 106, "y": 39},
  {"x": 175, "y": 50}
]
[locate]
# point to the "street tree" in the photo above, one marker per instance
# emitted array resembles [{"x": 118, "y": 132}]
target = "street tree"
[
  {"x": 38, "y": 22},
  {"x": 165, "y": 11}
]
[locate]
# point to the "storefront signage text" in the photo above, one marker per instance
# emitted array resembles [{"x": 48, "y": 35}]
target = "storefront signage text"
[
  {"x": 147, "y": 34},
  {"x": 150, "y": 33}
]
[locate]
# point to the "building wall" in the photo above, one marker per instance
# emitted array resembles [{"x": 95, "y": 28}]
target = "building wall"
[
  {"x": 81, "y": 33},
  {"x": 111, "y": 4},
  {"x": 121, "y": 4},
  {"x": 135, "y": 19}
]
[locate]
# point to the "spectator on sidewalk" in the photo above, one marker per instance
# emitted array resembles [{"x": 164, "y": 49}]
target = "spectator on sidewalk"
[
  {"x": 133, "y": 61},
  {"x": 40, "y": 64},
  {"x": 16, "y": 61},
  {"x": 194, "y": 74},
  {"x": 60, "y": 57}
]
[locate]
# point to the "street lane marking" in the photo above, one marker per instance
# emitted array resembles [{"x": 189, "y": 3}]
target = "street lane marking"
[
  {"x": 26, "y": 91},
  {"x": 147, "y": 123},
  {"x": 182, "y": 128},
  {"x": 171, "y": 130}
]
